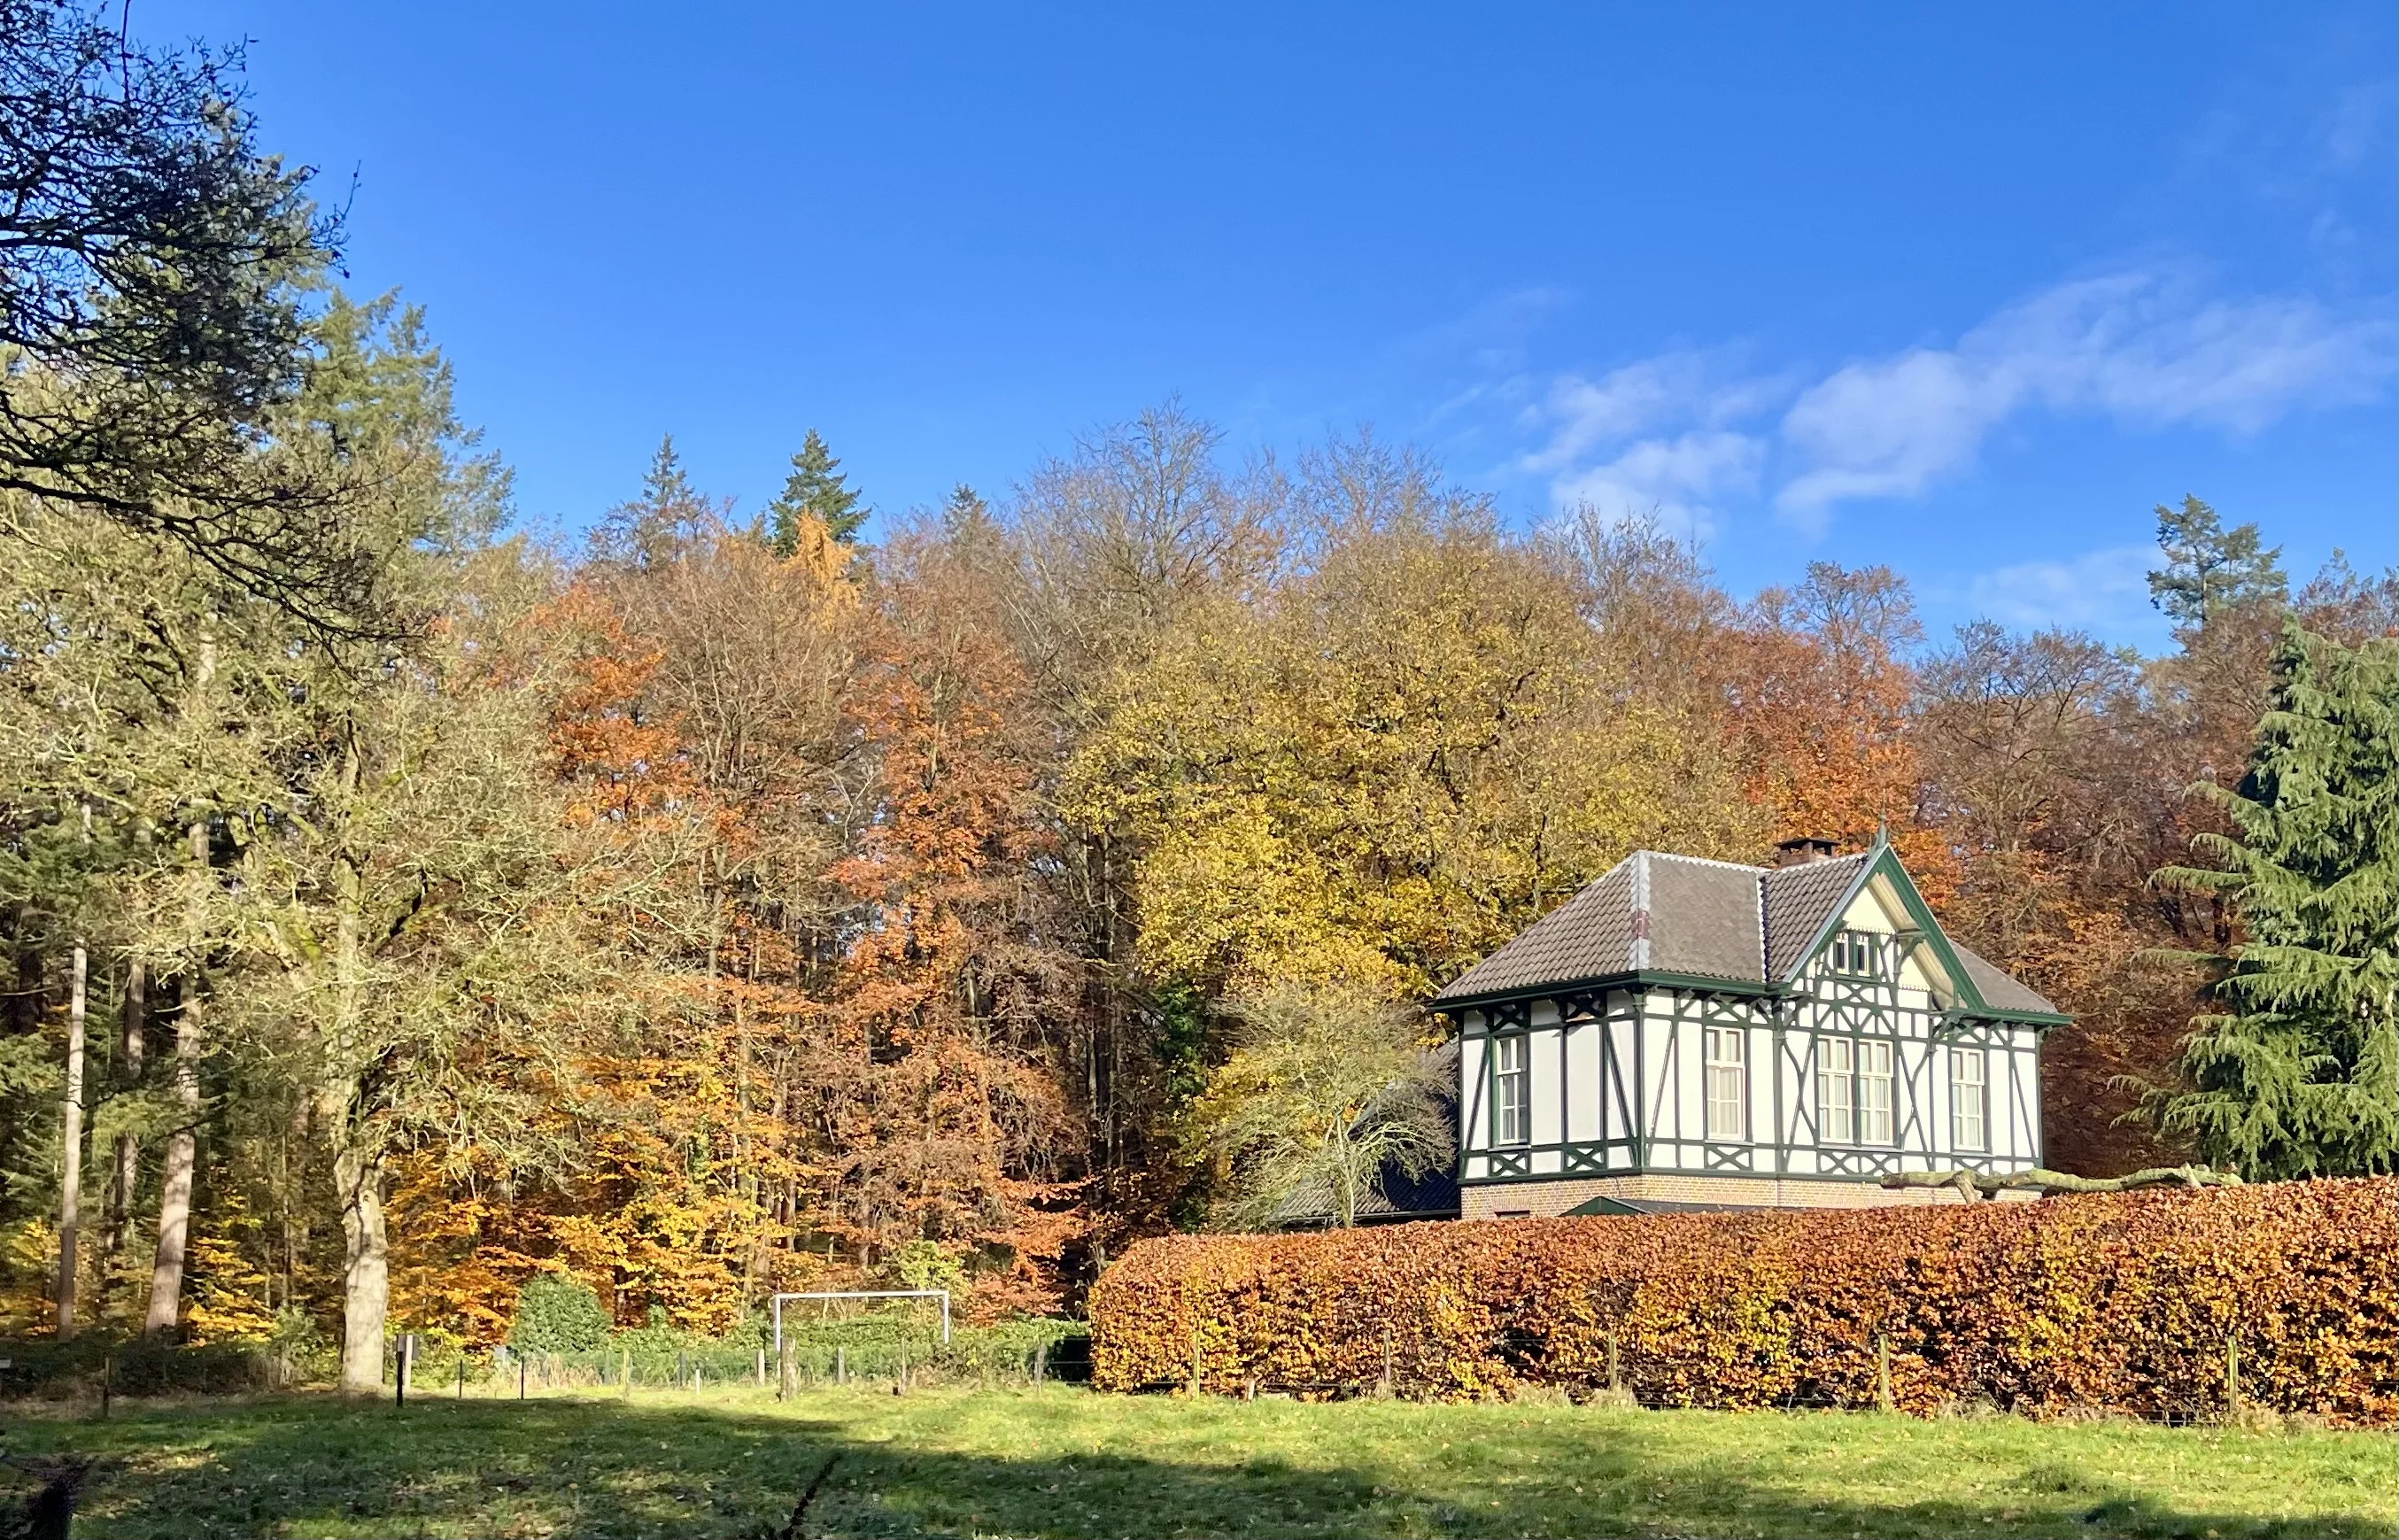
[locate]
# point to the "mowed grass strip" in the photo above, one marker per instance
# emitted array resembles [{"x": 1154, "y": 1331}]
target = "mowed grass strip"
[{"x": 1058, "y": 1461}]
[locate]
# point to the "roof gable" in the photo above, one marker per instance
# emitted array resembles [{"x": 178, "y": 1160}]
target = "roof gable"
[{"x": 1980, "y": 988}]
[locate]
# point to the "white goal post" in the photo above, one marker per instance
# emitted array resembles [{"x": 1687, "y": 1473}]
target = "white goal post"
[{"x": 940, "y": 1294}]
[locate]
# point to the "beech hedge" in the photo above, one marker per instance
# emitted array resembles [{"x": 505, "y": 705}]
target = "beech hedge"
[{"x": 2164, "y": 1305}]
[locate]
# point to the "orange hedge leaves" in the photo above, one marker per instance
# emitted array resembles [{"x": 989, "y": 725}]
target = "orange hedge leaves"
[{"x": 2127, "y": 1303}]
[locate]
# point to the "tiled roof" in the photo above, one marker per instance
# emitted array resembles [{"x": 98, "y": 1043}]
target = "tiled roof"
[
  {"x": 1659, "y": 913},
  {"x": 1702, "y": 916},
  {"x": 1797, "y": 900},
  {"x": 1651, "y": 912},
  {"x": 1589, "y": 935},
  {"x": 1999, "y": 988}
]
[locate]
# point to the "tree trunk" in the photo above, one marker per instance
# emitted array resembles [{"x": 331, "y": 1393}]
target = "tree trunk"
[
  {"x": 120, "y": 1212},
  {"x": 175, "y": 1185},
  {"x": 358, "y": 1164},
  {"x": 1970, "y": 1183},
  {"x": 366, "y": 1272},
  {"x": 71, "y": 1140}
]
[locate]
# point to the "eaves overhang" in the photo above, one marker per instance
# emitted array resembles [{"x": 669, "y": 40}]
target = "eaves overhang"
[{"x": 1635, "y": 979}]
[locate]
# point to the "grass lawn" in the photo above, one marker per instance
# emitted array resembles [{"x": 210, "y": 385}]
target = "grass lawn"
[{"x": 1059, "y": 1461}]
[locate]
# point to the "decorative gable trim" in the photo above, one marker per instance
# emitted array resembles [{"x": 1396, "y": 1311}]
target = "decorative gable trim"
[{"x": 1883, "y": 861}]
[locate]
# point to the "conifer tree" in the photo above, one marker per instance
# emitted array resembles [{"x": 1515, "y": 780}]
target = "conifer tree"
[
  {"x": 2300, "y": 1075},
  {"x": 816, "y": 488},
  {"x": 2210, "y": 569}
]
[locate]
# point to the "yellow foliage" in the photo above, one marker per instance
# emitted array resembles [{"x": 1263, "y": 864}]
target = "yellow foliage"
[
  {"x": 227, "y": 1295},
  {"x": 1418, "y": 747},
  {"x": 28, "y": 1254}
]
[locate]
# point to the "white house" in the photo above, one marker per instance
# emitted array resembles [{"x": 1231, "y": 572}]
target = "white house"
[{"x": 1688, "y": 1032}]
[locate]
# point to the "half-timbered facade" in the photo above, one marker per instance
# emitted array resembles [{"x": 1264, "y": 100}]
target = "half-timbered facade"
[{"x": 1697, "y": 1032}]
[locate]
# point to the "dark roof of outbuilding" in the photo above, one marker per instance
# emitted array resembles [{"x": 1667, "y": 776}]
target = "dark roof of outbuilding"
[
  {"x": 1654, "y": 912},
  {"x": 1393, "y": 1196}
]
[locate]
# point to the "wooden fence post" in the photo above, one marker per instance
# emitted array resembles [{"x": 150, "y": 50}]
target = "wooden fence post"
[{"x": 1882, "y": 1373}]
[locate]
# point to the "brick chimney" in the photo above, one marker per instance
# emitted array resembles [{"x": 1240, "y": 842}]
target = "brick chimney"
[{"x": 1799, "y": 852}]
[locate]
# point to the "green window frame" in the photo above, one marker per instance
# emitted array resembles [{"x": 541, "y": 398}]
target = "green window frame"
[
  {"x": 1855, "y": 954},
  {"x": 1837, "y": 1090},
  {"x": 1727, "y": 1083},
  {"x": 1511, "y": 1089},
  {"x": 1969, "y": 1100}
]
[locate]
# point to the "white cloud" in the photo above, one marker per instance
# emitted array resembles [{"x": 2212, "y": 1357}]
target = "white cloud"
[
  {"x": 1687, "y": 387},
  {"x": 1653, "y": 437},
  {"x": 1688, "y": 431},
  {"x": 2134, "y": 346},
  {"x": 1677, "y": 479},
  {"x": 2105, "y": 590}
]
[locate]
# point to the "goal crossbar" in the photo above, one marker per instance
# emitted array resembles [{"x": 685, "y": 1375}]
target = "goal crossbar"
[{"x": 940, "y": 1294}]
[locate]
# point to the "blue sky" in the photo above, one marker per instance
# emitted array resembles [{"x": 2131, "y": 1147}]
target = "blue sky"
[{"x": 1965, "y": 289}]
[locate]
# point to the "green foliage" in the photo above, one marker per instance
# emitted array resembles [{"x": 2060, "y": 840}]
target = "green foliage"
[
  {"x": 816, "y": 489},
  {"x": 156, "y": 265},
  {"x": 556, "y": 1314},
  {"x": 1326, "y": 1089},
  {"x": 2210, "y": 569},
  {"x": 927, "y": 1264},
  {"x": 2299, "y": 1075}
]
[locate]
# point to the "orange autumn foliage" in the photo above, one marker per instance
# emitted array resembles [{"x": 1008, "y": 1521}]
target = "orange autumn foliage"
[
  {"x": 945, "y": 1105},
  {"x": 1818, "y": 698},
  {"x": 2132, "y": 1302}
]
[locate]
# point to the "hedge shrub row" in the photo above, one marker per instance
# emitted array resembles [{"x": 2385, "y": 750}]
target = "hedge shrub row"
[{"x": 2156, "y": 1304}]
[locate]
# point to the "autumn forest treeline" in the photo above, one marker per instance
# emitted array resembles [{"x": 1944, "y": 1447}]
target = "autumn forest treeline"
[{"x": 397, "y": 906}]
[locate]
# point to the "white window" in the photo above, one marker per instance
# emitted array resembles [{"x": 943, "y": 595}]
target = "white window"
[
  {"x": 1855, "y": 953},
  {"x": 1967, "y": 1129},
  {"x": 1836, "y": 1070},
  {"x": 1727, "y": 1083},
  {"x": 1512, "y": 1091},
  {"x": 1874, "y": 1092}
]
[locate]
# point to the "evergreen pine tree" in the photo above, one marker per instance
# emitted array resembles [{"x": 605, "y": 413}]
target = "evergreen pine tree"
[
  {"x": 2210, "y": 569},
  {"x": 816, "y": 487},
  {"x": 2299, "y": 1075}
]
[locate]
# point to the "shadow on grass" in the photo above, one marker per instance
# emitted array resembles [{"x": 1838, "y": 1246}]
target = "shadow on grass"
[{"x": 317, "y": 1467}]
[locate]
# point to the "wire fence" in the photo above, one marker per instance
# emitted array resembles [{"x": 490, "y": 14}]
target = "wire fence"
[{"x": 872, "y": 1349}]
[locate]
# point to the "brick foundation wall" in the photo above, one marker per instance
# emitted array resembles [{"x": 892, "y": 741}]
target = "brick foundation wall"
[{"x": 1548, "y": 1199}]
